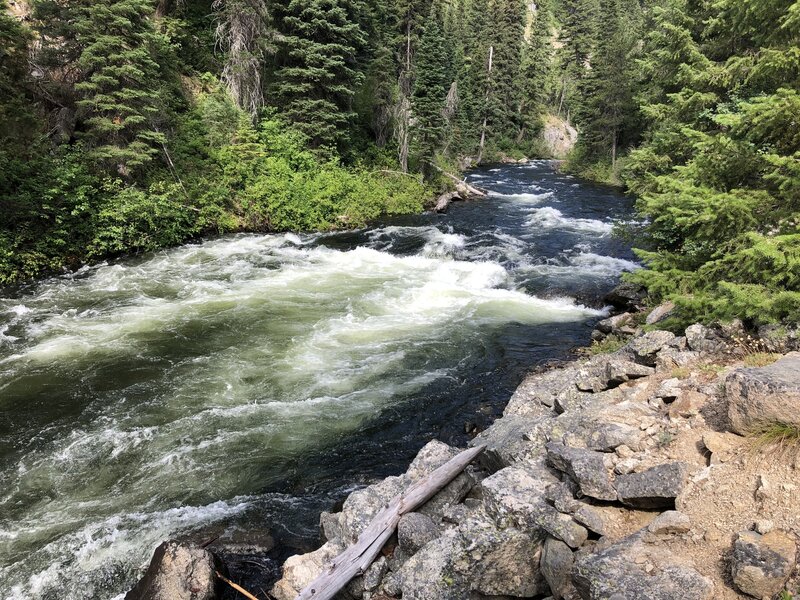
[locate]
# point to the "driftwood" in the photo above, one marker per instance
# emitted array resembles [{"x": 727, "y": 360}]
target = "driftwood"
[
  {"x": 462, "y": 186},
  {"x": 236, "y": 586},
  {"x": 358, "y": 557},
  {"x": 444, "y": 201}
]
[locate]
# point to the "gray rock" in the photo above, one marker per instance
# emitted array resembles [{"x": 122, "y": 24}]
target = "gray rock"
[
  {"x": 560, "y": 526},
  {"x": 660, "y": 313},
  {"x": 586, "y": 467},
  {"x": 556, "y": 566},
  {"x": 414, "y": 531},
  {"x": 669, "y": 522},
  {"x": 656, "y": 487},
  {"x": 612, "y": 325},
  {"x": 627, "y": 296},
  {"x": 609, "y": 372},
  {"x": 512, "y": 498},
  {"x": 178, "y": 572},
  {"x": 510, "y": 440},
  {"x": 645, "y": 347},
  {"x": 764, "y": 395},
  {"x": 375, "y": 574},
  {"x": 779, "y": 338},
  {"x": 538, "y": 393},
  {"x": 475, "y": 557},
  {"x": 561, "y": 498},
  {"x": 702, "y": 339},
  {"x": 590, "y": 518},
  {"x": 633, "y": 570},
  {"x": 670, "y": 358},
  {"x": 762, "y": 564}
]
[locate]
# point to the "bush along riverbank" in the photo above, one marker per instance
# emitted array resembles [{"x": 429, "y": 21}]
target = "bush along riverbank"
[{"x": 656, "y": 466}]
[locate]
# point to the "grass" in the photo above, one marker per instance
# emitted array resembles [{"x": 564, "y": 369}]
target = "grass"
[
  {"x": 761, "y": 359},
  {"x": 605, "y": 346},
  {"x": 680, "y": 373},
  {"x": 781, "y": 437}
]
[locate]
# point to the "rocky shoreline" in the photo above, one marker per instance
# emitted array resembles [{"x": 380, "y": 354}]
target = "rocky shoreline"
[{"x": 627, "y": 475}]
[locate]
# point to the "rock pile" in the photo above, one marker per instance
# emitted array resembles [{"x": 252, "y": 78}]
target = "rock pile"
[{"x": 577, "y": 494}]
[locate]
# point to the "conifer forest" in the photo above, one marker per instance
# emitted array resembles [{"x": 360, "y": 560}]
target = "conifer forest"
[{"x": 132, "y": 125}]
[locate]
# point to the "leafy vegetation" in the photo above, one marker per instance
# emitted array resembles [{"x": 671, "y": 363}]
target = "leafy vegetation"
[{"x": 128, "y": 125}]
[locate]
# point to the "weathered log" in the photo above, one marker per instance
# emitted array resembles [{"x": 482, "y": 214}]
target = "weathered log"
[
  {"x": 462, "y": 186},
  {"x": 444, "y": 201},
  {"x": 358, "y": 557}
]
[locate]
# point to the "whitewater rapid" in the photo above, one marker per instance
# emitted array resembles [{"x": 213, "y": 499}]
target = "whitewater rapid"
[{"x": 198, "y": 386}]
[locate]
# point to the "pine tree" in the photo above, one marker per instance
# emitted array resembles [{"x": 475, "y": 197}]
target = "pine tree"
[
  {"x": 120, "y": 113},
  {"x": 317, "y": 74},
  {"x": 536, "y": 71},
  {"x": 431, "y": 84},
  {"x": 578, "y": 37},
  {"x": 607, "y": 114},
  {"x": 508, "y": 25}
]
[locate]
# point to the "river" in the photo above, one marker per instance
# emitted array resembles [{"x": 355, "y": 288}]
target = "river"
[{"x": 251, "y": 381}]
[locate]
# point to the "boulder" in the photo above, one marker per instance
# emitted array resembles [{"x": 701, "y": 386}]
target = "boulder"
[
  {"x": 510, "y": 440},
  {"x": 721, "y": 445},
  {"x": 764, "y": 395},
  {"x": 609, "y": 372},
  {"x": 301, "y": 569},
  {"x": 633, "y": 570},
  {"x": 475, "y": 557},
  {"x": 688, "y": 404},
  {"x": 645, "y": 347},
  {"x": 660, "y": 313},
  {"x": 586, "y": 467},
  {"x": 656, "y": 487},
  {"x": 761, "y": 564},
  {"x": 616, "y": 325},
  {"x": 702, "y": 339},
  {"x": 670, "y": 522},
  {"x": 590, "y": 518},
  {"x": 513, "y": 498},
  {"x": 414, "y": 531},
  {"x": 178, "y": 572},
  {"x": 627, "y": 296},
  {"x": 556, "y": 567}
]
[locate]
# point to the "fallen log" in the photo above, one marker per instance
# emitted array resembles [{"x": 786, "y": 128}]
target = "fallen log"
[
  {"x": 444, "y": 201},
  {"x": 357, "y": 558},
  {"x": 461, "y": 186}
]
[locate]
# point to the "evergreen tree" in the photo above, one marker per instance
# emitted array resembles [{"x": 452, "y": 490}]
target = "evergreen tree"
[
  {"x": 607, "y": 114},
  {"x": 578, "y": 38},
  {"x": 431, "y": 84},
  {"x": 120, "y": 112},
  {"x": 508, "y": 26},
  {"x": 317, "y": 76},
  {"x": 536, "y": 71}
]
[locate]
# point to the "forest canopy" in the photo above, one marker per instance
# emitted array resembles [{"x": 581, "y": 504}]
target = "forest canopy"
[{"x": 130, "y": 125}]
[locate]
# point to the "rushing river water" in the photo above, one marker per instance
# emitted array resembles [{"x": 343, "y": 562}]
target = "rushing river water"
[{"x": 250, "y": 381}]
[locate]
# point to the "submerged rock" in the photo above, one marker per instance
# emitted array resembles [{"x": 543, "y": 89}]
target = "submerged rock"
[{"x": 178, "y": 572}]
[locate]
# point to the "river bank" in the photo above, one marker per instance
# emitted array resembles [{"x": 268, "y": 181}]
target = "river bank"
[
  {"x": 635, "y": 474},
  {"x": 629, "y": 475}
]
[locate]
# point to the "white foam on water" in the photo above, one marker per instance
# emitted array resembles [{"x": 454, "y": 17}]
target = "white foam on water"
[
  {"x": 603, "y": 265},
  {"x": 524, "y": 198},
  {"x": 551, "y": 218}
]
